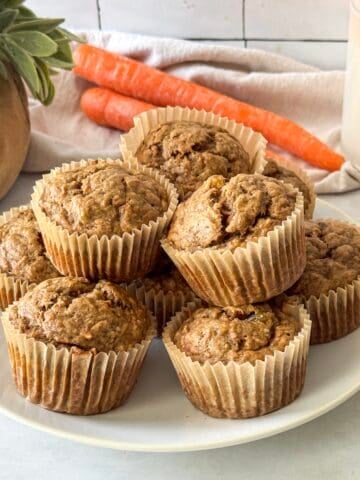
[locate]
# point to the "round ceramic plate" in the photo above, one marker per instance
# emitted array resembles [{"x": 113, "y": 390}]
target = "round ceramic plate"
[{"x": 158, "y": 417}]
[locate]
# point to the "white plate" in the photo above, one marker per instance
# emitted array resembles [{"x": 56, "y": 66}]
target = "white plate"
[{"x": 158, "y": 417}]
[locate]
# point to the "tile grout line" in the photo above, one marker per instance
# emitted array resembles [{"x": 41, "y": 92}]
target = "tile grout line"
[
  {"x": 98, "y": 8},
  {"x": 244, "y": 23}
]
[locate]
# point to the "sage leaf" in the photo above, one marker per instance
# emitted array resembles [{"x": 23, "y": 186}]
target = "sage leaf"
[
  {"x": 44, "y": 25},
  {"x": 25, "y": 13},
  {"x": 7, "y": 17},
  {"x": 36, "y": 43},
  {"x": 23, "y": 64}
]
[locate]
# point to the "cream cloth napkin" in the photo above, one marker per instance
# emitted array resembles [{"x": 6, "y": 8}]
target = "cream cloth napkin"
[{"x": 313, "y": 98}]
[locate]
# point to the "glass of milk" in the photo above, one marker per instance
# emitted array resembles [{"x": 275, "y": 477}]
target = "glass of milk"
[{"x": 350, "y": 133}]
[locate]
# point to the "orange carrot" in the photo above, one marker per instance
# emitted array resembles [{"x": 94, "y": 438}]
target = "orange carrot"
[
  {"x": 111, "y": 109},
  {"x": 134, "y": 79}
]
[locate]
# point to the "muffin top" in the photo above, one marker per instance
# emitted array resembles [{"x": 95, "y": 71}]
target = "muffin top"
[
  {"x": 274, "y": 170},
  {"x": 74, "y": 313},
  {"x": 22, "y": 252},
  {"x": 230, "y": 213},
  {"x": 333, "y": 257},
  {"x": 102, "y": 199},
  {"x": 243, "y": 334},
  {"x": 188, "y": 153}
]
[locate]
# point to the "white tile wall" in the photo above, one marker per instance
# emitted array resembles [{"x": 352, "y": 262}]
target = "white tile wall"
[
  {"x": 78, "y": 13},
  {"x": 325, "y": 55},
  {"x": 175, "y": 18},
  {"x": 275, "y": 25}
]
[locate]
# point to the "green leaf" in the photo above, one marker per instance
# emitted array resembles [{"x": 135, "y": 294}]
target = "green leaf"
[
  {"x": 25, "y": 13},
  {"x": 71, "y": 36},
  {"x": 23, "y": 64},
  {"x": 44, "y": 25},
  {"x": 47, "y": 89},
  {"x": 7, "y": 17},
  {"x": 35, "y": 43},
  {"x": 3, "y": 70},
  {"x": 13, "y": 3},
  {"x": 56, "y": 63}
]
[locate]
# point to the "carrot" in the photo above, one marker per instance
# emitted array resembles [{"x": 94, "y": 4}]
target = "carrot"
[
  {"x": 134, "y": 79},
  {"x": 111, "y": 109}
]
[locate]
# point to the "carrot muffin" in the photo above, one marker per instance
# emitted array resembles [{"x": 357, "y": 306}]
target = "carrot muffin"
[
  {"x": 229, "y": 346},
  {"x": 102, "y": 199},
  {"x": 274, "y": 170},
  {"x": 164, "y": 292},
  {"x": 23, "y": 259},
  {"x": 84, "y": 327},
  {"x": 104, "y": 218},
  {"x": 228, "y": 214},
  {"x": 330, "y": 282},
  {"x": 239, "y": 241},
  {"x": 188, "y": 153}
]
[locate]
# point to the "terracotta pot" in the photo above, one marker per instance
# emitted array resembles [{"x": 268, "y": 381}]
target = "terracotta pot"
[{"x": 14, "y": 129}]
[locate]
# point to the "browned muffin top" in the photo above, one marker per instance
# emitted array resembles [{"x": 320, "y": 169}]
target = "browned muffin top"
[
  {"x": 333, "y": 257},
  {"x": 22, "y": 252},
  {"x": 74, "y": 313},
  {"x": 188, "y": 153},
  {"x": 243, "y": 334},
  {"x": 274, "y": 170},
  {"x": 230, "y": 213},
  {"x": 102, "y": 199}
]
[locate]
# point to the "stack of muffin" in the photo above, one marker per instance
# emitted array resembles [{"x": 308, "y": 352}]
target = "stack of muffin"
[{"x": 240, "y": 265}]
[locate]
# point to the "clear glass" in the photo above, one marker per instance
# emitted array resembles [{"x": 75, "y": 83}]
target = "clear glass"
[{"x": 350, "y": 133}]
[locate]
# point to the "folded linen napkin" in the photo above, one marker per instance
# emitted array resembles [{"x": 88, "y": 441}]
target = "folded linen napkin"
[{"x": 311, "y": 97}]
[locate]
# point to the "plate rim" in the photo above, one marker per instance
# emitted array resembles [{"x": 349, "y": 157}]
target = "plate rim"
[{"x": 189, "y": 447}]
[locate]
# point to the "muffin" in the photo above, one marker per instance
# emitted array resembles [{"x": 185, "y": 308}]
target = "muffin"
[
  {"x": 23, "y": 259},
  {"x": 239, "y": 241},
  {"x": 75, "y": 346},
  {"x": 289, "y": 173},
  {"x": 240, "y": 362},
  {"x": 188, "y": 153},
  {"x": 103, "y": 218},
  {"x": 330, "y": 284},
  {"x": 188, "y": 146},
  {"x": 164, "y": 293}
]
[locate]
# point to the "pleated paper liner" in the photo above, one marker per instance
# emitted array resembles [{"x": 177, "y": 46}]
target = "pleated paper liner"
[
  {"x": 336, "y": 314},
  {"x": 253, "y": 143},
  {"x": 11, "y": 288},
  {"x": 116, "y": 258},
  {"x": 251, "y": 274},
  {"x": 304, "y": 177},
  {"x": 75, "y": 382},
  {"x": 163, "y": 305},
  {"x": 235, "y": 390}
]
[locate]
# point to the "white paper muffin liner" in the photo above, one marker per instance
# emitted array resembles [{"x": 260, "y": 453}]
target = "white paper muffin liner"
[
  {"x": 253, "y": 143},
  {"x": 251, "y": 274},
  {"x": 235, "y": 390},
  {"x": 11, "y": 288},
  {"x": 304, "y": 177},
  {"x": 75, "y": 382},
  {"x": 336, "y": 314},
  {"x": 116, "y": 258},
  {"x": 163, "y": 305}
]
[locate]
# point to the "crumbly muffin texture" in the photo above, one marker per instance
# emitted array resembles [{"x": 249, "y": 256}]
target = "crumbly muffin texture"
[
  {"x": 242, "y": 334},
  {"x": 22, "y": 251},
  {"x": 333, "y": 257},
  {"x": 102, "y": 199},
  {"x": 168, "y": 281},
  {"x": 76, "y": 314},
  {"x": 274, "y": 170},
  {"x": 188, "y": 153},
  {"x": 230, "y": 213}
]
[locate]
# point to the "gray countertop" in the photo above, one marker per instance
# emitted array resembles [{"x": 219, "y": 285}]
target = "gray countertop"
[{"x": 325, "y": 448}]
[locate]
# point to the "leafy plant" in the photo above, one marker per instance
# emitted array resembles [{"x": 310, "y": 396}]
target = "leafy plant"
[{"x": 34, "y": 47}]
